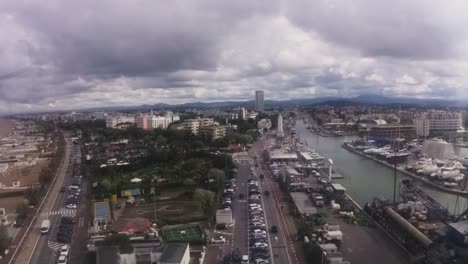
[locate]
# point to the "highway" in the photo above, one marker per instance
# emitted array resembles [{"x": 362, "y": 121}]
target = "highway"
[{"x": 34, "y": 243}]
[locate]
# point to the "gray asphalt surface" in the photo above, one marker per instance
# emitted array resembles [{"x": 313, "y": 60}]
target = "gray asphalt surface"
[{"x": 240, "y": 210}]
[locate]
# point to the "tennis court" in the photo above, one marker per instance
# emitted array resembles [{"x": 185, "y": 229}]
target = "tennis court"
[{"x": 184, "y": 233}]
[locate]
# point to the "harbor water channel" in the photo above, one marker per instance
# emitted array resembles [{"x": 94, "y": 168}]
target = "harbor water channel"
[{"x": 366, "y": 179}]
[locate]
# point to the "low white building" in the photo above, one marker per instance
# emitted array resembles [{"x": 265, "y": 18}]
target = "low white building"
[{"x": 224, "y": 217}]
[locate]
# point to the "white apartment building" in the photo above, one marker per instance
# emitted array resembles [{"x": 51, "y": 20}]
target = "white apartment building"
[
  {"x": 113, "y": 121},
  {"x": 193, "y": 125},
  {"x": 438, "y": 123},
  {"x": 157, "y": 122}
]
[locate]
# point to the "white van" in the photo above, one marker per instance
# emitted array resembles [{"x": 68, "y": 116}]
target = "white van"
[{"x": 45, "y": 226}]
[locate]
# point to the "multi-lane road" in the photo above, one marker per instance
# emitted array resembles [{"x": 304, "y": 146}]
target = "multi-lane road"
[
  {"x": 280, "y": 244},
  {"x": 37, "y": 248},
  {"x": 33, "y": 239}
]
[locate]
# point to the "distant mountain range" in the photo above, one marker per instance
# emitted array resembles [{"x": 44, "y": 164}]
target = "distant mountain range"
[{"x": 369, "y": 99}]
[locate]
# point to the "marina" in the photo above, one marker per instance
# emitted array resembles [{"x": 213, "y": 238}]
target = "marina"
[
  {"x": 418, "y": 218},
  {"x": 365, "y": 178}
]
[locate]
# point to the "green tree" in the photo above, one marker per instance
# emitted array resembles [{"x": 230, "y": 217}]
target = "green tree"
[
  {"x": 206, "y": 202},
  {"x": 106, "y": 184},
  {"x": 22, "y": 211},
  {"x": 32, "y": 195}
]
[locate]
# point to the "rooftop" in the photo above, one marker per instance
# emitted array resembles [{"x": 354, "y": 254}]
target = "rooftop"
[
  {"x": 303, "y": 203},
  {"x": 173, "y": 252},
  {"x": 338, "y": 187},
  {"x": 461, "y": 227}
]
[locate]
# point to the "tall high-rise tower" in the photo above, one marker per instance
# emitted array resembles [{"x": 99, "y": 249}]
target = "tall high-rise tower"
[
  {"x": 259, "y": 104},
  {"x": 280, "y": 132}
]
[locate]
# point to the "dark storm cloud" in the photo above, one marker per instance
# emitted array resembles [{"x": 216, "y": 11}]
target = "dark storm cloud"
[{"x": 69, "y": 54}]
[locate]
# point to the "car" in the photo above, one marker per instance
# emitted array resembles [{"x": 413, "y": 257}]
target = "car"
[
  {"x": 260, "y": 239},
  {"x": 256, "y": 212},
  {"x": 73, "y": 206},
  {"x": 245, "y": 259},
  {"x": 259, "y": 250},
  {"x": 267, "y": 193},
  {"x": 241, "y": 196},
  {"x": 258, "y": 226},
  {"x": 274, "y": 229},
  {"x": 62, "y": 189},
  {"x": 261, "y": 261},
  {"x": 257, "y": 218},
  {"x": 260, "y": 245},
  {"x": 64, "y": 250},
  {"x": 67, "y": 220},
  {"x": 62, "y": 260},
  {"x": 261, "y": 255},
  {"x": 236, "y": 255},
  {"x": 258, "y": 231},
  {"x": 218, "y": 240}
]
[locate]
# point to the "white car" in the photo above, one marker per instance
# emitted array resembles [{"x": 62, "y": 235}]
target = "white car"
[
  {"x": 259, "y": 231},
  {"x": 219, "y": 240},
  {"x": 71, "y": 206},
  {"x": 64, "y": 250},
  {"x": 260, "y": 245},
  {"x": 258, "y": 225},
  {"x": 62, "y": 260},
  {"x": 261, "y": 261}
]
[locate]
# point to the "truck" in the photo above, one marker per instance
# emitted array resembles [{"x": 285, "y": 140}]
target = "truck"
[
  {"x": 45, "y": 225},
  {"x": 318, "y": 199}
]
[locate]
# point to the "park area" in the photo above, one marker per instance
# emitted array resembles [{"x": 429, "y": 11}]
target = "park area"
[
  {"x": 168, "y": 212},
  {"x": 191, "y": 233}
]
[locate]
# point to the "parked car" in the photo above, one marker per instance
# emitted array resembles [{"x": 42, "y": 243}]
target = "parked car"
[{"x": 218, "y": 240}]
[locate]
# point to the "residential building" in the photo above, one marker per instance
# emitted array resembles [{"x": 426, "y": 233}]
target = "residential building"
[
  {"x": 259, "y": 101},
  {"x": 243, "y": 113},
  {"x": 422, "y": 127},
  {"x": 193, "y": 125},
  {"x": 141, "y": 121},
  {"x": 264, "y": 124},
  {"x": 157, "y": 122},
  {"x": 116, "y": 121},
  {"x": 213, "y": 131},
  {"x": 391, "y": 132},
  {"x": 440, "y": 123}
]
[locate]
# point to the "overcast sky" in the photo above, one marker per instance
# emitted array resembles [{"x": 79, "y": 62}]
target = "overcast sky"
[{"x": 57, "y": 54}]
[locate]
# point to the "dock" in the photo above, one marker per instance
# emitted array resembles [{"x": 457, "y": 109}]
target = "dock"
[{"x": 412, "y": 175}]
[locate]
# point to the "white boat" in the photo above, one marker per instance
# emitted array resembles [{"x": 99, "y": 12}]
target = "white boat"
[
  {"x": 459, "y": 177},
  {"x": 429, "y": 169},
  {"x": 450, "y": 184},
  {"x": 448, "y": 174}
]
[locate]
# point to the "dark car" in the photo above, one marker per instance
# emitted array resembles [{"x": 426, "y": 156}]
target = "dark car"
[
  {"x": 62, "y": 189},
  {"x": 236, "y": 255},
  {"x": 259, "y": 250},
  {"x": 274, "y": 229}
]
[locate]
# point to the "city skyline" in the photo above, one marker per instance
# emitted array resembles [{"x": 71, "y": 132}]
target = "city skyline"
[{"x": 113, "y": 53}]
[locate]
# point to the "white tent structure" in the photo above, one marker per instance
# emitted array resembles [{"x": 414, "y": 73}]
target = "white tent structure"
[
  {"x": 438, "y": 149},
  {"x": 135, "y": 180}
]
